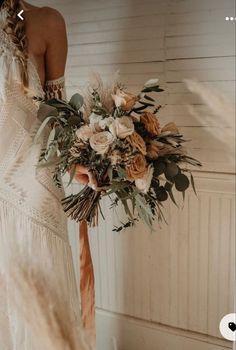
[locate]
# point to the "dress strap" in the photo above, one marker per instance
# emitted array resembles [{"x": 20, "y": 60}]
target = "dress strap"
[{"x": 55, "y": 89}]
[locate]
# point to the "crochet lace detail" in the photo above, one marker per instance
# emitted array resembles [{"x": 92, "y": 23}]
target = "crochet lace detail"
[{"x": 55, "y": 88}]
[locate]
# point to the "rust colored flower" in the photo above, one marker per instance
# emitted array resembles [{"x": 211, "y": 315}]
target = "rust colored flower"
[
  {"x": 136, "y": 141},
  {"x": 152, "y": 151},
  {"x": 151, "y": 123},
  {"x": 138, "y": 168}
]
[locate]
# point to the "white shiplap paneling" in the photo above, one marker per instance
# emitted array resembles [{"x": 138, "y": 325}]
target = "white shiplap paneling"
[{"x": 173, "y": 40}]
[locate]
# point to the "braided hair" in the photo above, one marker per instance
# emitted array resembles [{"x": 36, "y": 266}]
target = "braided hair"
[{"x": 16, "y": 29}]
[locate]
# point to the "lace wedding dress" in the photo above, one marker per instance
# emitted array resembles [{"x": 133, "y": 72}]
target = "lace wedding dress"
[{"x": 30, "y": 209}]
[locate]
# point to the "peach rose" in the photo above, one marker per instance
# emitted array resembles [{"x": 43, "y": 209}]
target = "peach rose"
[
  {"x": 136, "y": 141},
  {"x": 137, "y": 168},
  {"x": 151, "y": 123},
  {"x": 125, "y": 100}
]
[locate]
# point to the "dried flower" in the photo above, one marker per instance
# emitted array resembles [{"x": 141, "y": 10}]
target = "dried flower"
[
  {"x": 101, "y": 142},
  {"x": 125, "y": 100},
  {"x": 136, "y": 141},
  {"x": 170, "y": 127},
  {"x": 144, "y": 184},
  {"x": 122, "y": 127},
  {"x": 137, "y": 168},
  {"x": 151, "y": 123},
  {"x": 116, "y": 157},
  {"x": 152, "y": 151}
]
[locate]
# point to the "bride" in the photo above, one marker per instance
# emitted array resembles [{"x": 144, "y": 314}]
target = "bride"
[{"x": 32, "y": 61}]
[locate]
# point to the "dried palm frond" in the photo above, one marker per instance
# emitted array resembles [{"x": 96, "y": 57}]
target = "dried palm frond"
[{"x": 223, "y": 111}]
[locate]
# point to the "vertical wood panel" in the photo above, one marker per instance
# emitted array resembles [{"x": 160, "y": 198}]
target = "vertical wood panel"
[{"x": 204, "y": 216}]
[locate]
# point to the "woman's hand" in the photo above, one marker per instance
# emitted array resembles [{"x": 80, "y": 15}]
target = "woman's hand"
[{"x": 84, "y": 176}]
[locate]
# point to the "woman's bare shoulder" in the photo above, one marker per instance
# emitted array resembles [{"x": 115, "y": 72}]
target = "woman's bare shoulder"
[
  {"x": 51, "y": 15},
  {"x": 47, "y": 16}
]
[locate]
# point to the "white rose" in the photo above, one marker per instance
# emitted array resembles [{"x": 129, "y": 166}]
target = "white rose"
[
  {"x": 122, "y": 127},
  {"x": 106, "y": 122},
  {"x": 94, "y": 120},
  {"x": 144, "y": 184},
  {"x": 84, "y": 133},
  {"x": 151, "y": 83},
  {"x": 101, "y": 142}
]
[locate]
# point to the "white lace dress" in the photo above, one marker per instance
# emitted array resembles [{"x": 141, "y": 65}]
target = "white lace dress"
[{"x": 30, "y": 209}]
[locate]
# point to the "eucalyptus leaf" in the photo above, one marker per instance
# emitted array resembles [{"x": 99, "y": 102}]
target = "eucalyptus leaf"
[
  {"x": 51, "y": 137},
  {"x": 42, "y": 127},
  {"x": 173, "y": 198},
  {"x": 72, "y": 174},
  {"x": 193, "y": 183},
  {"x": 127, "y": 209},
  {"x": 181, "y": 182},
  {"x": 140, "y": 201},
  {"x": 52, "y": 152},
  {"x": 45, "y": 111},
  {"x": 146, "y": 217},
  {"x": 76, "y": 101},
  {"x": 171, "y": 170}
]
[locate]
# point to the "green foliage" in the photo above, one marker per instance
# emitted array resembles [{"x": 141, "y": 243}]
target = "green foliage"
[{"x": 76, "y": 101}]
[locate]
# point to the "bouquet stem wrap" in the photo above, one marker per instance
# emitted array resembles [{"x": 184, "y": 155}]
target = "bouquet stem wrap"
[{"x": 87, "y": 290}]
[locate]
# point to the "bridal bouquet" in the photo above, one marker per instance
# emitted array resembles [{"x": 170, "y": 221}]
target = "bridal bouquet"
[{"x": 115, "y": 139}]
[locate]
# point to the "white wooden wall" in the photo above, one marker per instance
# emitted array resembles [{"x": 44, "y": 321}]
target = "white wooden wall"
[{"x": 167, "y": 290}]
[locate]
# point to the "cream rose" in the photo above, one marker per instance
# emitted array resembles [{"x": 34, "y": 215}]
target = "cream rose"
[
  {"x": 144, "y": 183},
  {"x": 122, "y": 127},
  {"x": 101, "y": 142},
  {"x": 84, "y": 133}
]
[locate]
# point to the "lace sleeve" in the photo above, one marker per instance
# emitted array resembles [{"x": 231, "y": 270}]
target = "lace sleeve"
[{"x": 55, "y": 89}]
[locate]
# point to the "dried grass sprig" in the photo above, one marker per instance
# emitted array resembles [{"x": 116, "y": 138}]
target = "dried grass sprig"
[{"x": 42, "y": 306}]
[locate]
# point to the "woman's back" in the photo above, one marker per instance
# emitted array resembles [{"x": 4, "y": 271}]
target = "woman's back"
[{"x": 47, "y": 41}]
